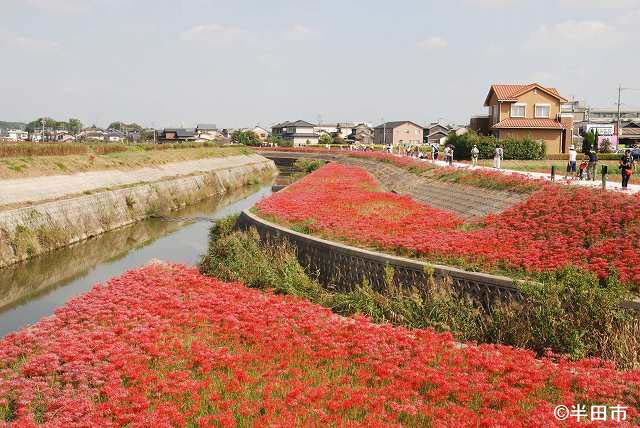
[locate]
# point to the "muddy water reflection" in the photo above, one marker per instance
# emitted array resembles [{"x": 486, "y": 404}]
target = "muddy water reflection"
[{"x": 32, "y": 290}]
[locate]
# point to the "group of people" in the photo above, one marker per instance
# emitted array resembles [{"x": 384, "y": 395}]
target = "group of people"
[
  {"x": 475, "y": 154},
  {"x": 588, "y": 167}
]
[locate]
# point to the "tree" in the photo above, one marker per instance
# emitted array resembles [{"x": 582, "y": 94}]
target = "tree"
[
  {"x": 325, "y": 139},
  {"x": 588, "y": 142},
  {"x": 246, "y": 138},
  {"x": 35, "y": 125},
  {"x": 278, "y": 141},
  {"x": 121, "y": 126},
  {"x": 74, "y": 126}
]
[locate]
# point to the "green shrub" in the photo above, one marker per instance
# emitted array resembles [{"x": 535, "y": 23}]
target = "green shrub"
[
  {"x": 520, "y": 149},
  {"x": 307, "y": 166}
]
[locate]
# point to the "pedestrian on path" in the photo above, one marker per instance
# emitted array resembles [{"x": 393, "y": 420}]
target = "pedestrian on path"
[
  {"x": 475, "y": 152},
  {"x": 497, "y": 157},
  {"x": 448, "y": 155},
  {"x": 626, "y": 168},
  {"x": 435, "y": 151},
  {"x": 573, "y": 159},
  {"x": 593, "y": 164}
]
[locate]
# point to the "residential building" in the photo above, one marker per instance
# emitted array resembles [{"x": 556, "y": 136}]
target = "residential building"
[
  {"x": 207, "y": 131},
  {"x": 176, "y": 135},
  {"x": 530, "y": 111},
  {"x": 361, "y": 134},
  {"x": 92, "y": 133},
  {"x": 299, "y": 132},
  {"x": 630, "y": 134},
  {"x": 114, "y": 136},
  {"x": 607, "y": 115},
  {"x": 16, "y": 135},
  {"x": 335, "y": 129},
  {"x": 436, "y": 133},
  {"x": 404, "y": 132},
  {"x": 262, "y": 133}
]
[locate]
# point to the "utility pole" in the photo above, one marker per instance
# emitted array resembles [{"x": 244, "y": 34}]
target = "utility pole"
[{"x": 42, "y": 135}]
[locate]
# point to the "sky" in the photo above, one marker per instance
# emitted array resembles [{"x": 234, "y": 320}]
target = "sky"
[{"x": 242, "y": 63}]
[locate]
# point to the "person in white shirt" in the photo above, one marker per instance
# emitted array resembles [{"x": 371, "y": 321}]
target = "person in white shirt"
[
  {"x": 497, "y": 158},
  {"x": 572, "y": 164},
  {"x": 475, "y": 152}
]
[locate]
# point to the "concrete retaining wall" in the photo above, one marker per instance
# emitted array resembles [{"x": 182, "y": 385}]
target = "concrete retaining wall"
[
  {"x": 342, "y": 266},
  {"x": 30, "y": 231}
]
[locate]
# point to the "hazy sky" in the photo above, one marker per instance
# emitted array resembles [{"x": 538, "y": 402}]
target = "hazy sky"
[{"x": 239, "y": 63}]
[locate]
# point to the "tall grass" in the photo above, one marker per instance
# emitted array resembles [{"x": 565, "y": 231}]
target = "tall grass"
[
  {"x": 570, "y": 312},
  {"x": 11, "y": 150}
]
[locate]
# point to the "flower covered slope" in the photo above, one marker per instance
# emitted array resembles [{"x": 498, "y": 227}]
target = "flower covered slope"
[
  {"x": 554, "y": 227},
  {"x": 164, "y": 346}
]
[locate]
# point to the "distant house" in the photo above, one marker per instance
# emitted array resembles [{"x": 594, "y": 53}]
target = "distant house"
[
  {"x": 405, "y": 132},
  {"x": 299, "y": 132},
  {"x": 262, "y": 133},
  {"x": 530, "y": 111},
  {"x": 16, "y": 135},
  {"x": 177, "y": 135},
  {"x": 436, "y": 132},
  {"x": 207, "y": 132},
  {"x": 92, "y": 133},
  {"x": 114, "y": 136},
  {"x": 630, "y": 134},
  {"x": 335, "y": 129},
  {"x": 361, "y": 134}
]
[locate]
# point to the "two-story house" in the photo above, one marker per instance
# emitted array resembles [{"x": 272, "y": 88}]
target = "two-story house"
[
  {"x": 405, "y": 133},
  {"x": 529, "y": 111},
  {"x": 299, "y": 133}
]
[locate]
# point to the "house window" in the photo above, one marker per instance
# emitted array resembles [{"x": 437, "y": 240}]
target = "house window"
[
  {"x": 543, "y": 110},
  {"x": 518, "y": 110}
]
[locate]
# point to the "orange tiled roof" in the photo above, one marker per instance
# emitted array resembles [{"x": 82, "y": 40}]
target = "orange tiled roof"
[
  {"x": 511, "y": 92},
  {"x": 528, "y": 124}
]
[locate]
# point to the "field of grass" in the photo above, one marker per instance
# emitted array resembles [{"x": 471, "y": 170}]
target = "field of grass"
[{"x": 32, "y": 160}]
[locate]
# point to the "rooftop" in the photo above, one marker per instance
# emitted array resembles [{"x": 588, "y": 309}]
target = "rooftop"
[{"x": 528, "y": 124}]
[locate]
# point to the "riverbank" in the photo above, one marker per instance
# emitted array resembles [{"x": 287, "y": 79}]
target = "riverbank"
[
  {"x": 40, "y": 159},
  {"x": 32, "y": 230}
]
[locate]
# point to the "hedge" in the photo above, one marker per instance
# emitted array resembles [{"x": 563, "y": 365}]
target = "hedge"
[{"x": 521, "y": 149}]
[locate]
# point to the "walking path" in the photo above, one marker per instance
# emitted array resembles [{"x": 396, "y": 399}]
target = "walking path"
[
  {"x": 45, "y": 188},
  {"x": 611, "y": 184}
]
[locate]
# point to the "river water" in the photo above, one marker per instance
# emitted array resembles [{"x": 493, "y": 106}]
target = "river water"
[{"x": 35, "y": 289}]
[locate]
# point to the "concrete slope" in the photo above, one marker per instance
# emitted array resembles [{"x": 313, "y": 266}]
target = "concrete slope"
[{"x": 46, "y": 188}]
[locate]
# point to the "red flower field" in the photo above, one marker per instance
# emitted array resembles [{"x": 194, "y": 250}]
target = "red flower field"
[
  {"x": 164, "y": 346},
  {"x": 556, "y": 226},
  {"x": 479, "y": 178}
]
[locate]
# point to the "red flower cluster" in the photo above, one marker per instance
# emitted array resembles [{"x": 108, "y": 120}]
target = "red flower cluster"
[
  {"x": 164, "y": 346},
  {"x": 555, "y": 227},
  {"x": 480, "y": 178}
]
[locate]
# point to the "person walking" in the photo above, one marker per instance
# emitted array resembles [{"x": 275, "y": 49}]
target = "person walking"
[
  {"x": 475, "y": 152},
  {"x": 448, "y": 155},
  {"x": 572, "y": 164},
  {"x": 593, "y": 164},
  {"x": 434, "y": 151},
  {"x": 626, "y": 168},
  {"x": 497, "y": 157}
]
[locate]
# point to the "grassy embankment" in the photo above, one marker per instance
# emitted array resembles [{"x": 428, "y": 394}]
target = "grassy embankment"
[
  {"x": 570, "y": 313},
  {"x": 32, "y": 160}
]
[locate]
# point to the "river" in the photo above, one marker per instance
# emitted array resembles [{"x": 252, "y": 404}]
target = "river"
[{"x": 35, "y": 289}]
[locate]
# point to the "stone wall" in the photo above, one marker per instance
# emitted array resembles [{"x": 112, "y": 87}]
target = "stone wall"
[
  {"x": 30, "y": 231},
  {"x": 342, "y": 266},
  {"x": 466, "y": 201}
]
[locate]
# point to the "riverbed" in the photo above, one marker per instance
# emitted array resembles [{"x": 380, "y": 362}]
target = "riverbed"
[{"x": 35, "y": 289}]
